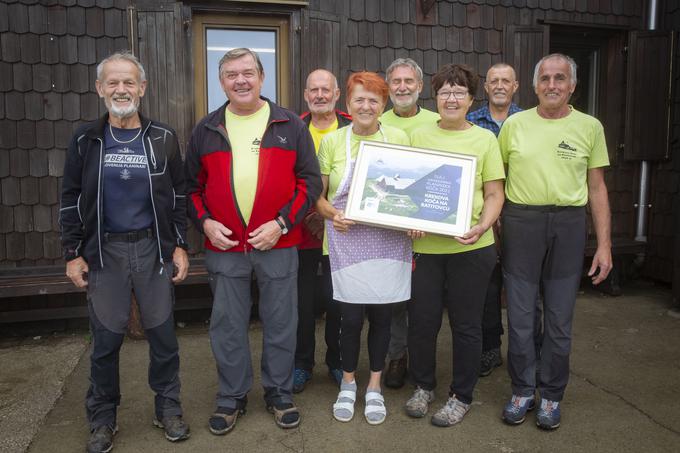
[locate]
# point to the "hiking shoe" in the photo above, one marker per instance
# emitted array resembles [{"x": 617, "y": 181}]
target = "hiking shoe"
[
  {"x": 300, "y": 379},
  {"x": 101, "y": 439},
  {"x": 396, "y": 373},
  {"x": 418, "y": 404},
  {"x": 490, "y": 359},
  {"x": 515, "y": 411},
  {"x": 451, "y": 413},
  {"x": 548, "y": 415},
  {"x": 224, "y": 420},
  {"x": 174, "y": 426},
  {"x": 336, "y": 375}
]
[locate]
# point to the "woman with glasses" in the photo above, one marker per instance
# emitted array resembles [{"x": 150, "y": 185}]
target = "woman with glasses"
[
  {"x": 462, "y": 265},
  {"x": 370, "y": 267}
]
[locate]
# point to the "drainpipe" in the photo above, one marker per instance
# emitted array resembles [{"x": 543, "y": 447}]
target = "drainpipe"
[{"x": 643, "y": 201}]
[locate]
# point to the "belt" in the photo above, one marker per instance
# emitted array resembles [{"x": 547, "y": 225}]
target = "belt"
[
  {"x": 543, "y": 207},
  {"x": 130, "y": 236}
]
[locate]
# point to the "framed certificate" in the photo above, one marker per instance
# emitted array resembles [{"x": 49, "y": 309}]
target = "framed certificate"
[{"x": 407, "y": 188}]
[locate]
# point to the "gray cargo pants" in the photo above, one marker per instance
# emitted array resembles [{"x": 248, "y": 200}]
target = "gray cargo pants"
[
  {"x": 541, "y": 244},
  {"x": 131, "y": 266},
  {"x": 230, "y": 275}
]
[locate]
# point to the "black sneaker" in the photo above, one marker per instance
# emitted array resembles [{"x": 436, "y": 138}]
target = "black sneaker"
[
  {"x": 490, "y": 359},
  {"x": 101, "y": 439},
  {"x": 396, "y": 373},
  {"x": 174, "y": 426}
]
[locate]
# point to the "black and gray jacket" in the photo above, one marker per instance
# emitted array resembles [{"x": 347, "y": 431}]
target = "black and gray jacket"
[{"x": 81, "y": 214}]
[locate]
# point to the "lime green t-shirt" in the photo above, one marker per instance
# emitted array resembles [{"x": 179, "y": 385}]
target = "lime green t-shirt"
[
  {"x": 245, "y": 135},
  {"x": 333, "y": 159},
  {"x": 475, "y": 141},
  {"x": 407, "y": 125},
  {"x": 548, "y": 160},
  {"x": 318, "y": 134}
]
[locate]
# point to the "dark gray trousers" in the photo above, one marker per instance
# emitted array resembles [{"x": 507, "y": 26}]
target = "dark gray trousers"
[
  {"x": 230, "y": 275},
  {"x": 541, "y": 245},
  {"x": 127, "y": 267}
]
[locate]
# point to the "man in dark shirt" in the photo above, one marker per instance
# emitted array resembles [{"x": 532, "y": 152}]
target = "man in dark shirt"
[
  {"x": 123, "y": 223},
  {"x": 500, "y": 85}
]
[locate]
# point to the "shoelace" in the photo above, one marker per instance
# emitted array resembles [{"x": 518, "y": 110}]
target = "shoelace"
[
  {"x": 516, "y": 404},
  {"x": 550, "y": 406}
]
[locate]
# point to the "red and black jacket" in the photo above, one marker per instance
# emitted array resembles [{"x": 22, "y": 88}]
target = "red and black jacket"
[
  {"x": 288, "y": 181},
  {"x": 343, "y": 118},
  {"x": 309, "y": 241}
]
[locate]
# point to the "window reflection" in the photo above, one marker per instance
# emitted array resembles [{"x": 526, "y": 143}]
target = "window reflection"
[{"x": 220, "y": 40}]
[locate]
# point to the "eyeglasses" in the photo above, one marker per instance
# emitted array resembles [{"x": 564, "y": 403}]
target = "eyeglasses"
[{"x": 457, "y": 95}]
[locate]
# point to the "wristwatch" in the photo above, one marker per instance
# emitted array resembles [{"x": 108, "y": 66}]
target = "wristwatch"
[{"x": 284, "y": 228}]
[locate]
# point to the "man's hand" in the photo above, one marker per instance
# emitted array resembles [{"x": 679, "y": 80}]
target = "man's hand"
[
  {"x": 603, "y": 261},
  {"x": 76, "y": 270},
  {"x": 314, "y": 223},
  {"x": 181, "y": 262},
  {"x": 218, "y": 234},
  {"x": 265, "y": 236},
  {"x": 340, "y": 223},
  {"x": 472, "y": 235}
]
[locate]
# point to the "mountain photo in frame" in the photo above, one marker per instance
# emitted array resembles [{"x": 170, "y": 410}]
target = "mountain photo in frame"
[{"x": 408, "y": 188}]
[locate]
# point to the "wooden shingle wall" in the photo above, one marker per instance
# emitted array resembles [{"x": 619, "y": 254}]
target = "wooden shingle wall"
[
  {"x": 663, "y": 255},
  {"x": 48, "y": 55},
  {"x": 467, "y": 31}
]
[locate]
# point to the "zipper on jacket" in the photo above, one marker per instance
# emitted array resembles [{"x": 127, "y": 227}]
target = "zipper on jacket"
[
  {"x": 99, "y": 194},
  {"x": 153, "y": 204}
]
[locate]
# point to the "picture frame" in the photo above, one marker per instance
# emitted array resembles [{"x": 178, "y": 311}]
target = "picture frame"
[{"x": 408, "y": 188}]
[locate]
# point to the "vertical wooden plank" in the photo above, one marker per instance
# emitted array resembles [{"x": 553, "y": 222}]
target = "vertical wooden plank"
[{"x": 524, "y": 46}]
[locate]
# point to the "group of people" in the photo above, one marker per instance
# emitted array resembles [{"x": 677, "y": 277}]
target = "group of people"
[{"x": 268, "y": 189}]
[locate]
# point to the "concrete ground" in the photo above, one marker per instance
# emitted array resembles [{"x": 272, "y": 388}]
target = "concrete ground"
[{"x": 624, "y": 395}]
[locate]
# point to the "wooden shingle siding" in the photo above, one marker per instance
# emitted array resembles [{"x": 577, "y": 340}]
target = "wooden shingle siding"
[
  {"x": 48, "y": 53},
  {"x": 662, "y": 260}
]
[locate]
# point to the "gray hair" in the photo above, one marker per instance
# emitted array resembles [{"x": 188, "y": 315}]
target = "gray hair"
[
  {"x": 570, "y": 61},
  {"x": 124, "y": 55},
  {"x": 404, "y": 62},
  {"x": 234, "y": 54}
]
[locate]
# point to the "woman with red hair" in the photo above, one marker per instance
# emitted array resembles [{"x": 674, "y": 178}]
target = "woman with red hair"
[{"x": 370, "y": 267}]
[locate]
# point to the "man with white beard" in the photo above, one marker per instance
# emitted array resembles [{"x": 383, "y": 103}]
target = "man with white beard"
[
  {"x": 321, "y": 94},
  {"x": 123, "y": 225},
  {"x": 405, "y": 81}
]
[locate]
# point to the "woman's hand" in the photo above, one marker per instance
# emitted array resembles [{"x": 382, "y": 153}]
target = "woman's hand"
[
  {"x": 415, "y": 234},
  {"x": 472, "y": 235},
  {"x": 340, "y": 223}
]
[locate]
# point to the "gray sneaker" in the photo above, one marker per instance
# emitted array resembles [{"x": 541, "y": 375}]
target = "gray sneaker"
[
  {"x": 101, "y": 439},
  {"x": 418, "y": 404},
  {"x": 453, "y": 412},
  {"x": 175, "y": 428}
]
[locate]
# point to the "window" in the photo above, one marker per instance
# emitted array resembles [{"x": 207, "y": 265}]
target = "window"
[{"x": 216, "y": 34}]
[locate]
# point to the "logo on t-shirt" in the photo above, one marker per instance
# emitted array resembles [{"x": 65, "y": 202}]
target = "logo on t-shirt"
[
  {"x": 566, "y": 151},
  {"x": 256, "y": 146},
  {"x": 125, "y": 174}
]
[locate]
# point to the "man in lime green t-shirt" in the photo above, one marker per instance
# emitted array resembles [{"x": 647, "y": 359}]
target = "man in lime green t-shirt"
[
  {"x": 555, "y": 157},
  {"x": 405, "y": 81}
]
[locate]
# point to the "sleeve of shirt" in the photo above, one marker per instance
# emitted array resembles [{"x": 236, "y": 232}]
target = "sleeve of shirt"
[
  {"x": 493, "y": 162},
  {"x": 504, "y": 141},
  {"x": 598, "y": 155},
  {"x": 325, "y": 155}
]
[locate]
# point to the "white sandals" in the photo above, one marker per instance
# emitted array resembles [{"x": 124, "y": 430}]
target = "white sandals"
[
  {"x": 375, "y": 411},
  {"x": 344, "y": 403}
]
